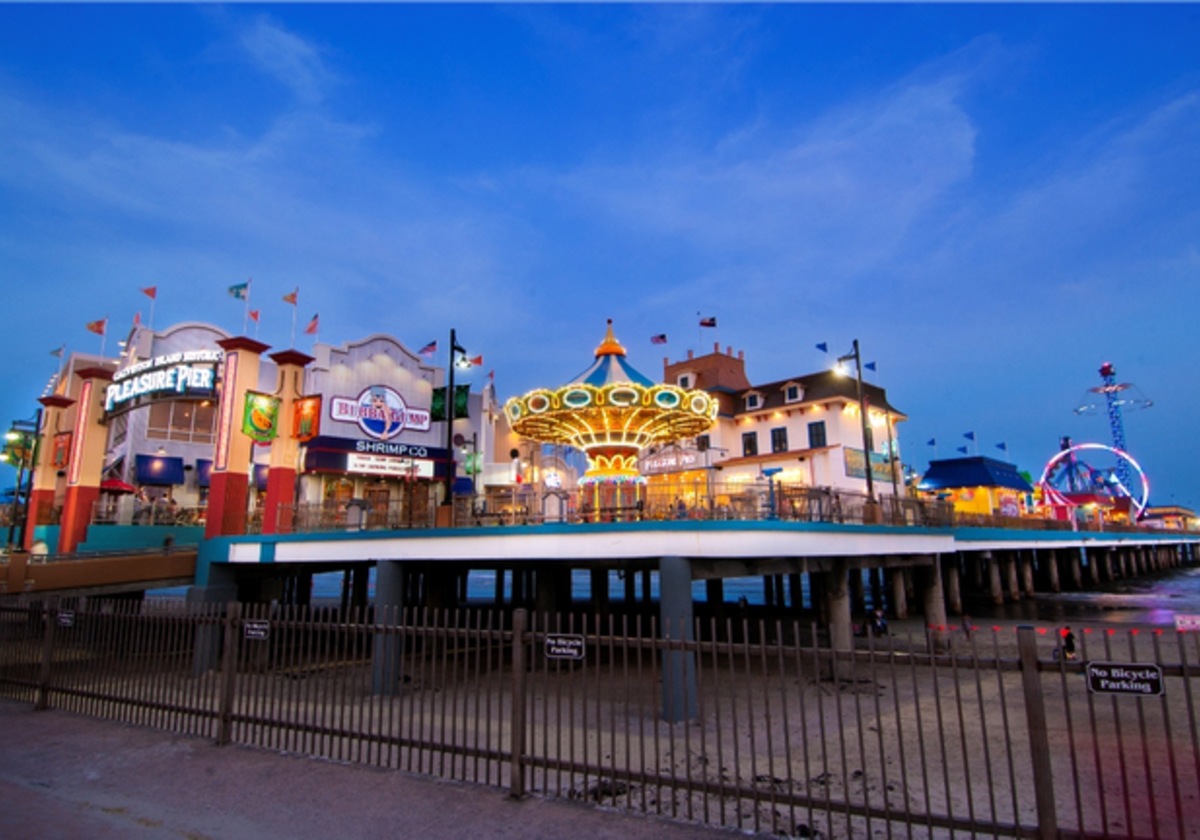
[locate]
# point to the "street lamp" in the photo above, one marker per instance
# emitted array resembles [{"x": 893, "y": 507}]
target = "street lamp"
[
  {"x": 20, "y": 450},
  {"x": 862, "y": 413},
  {"x": 770, "y": 473},
  {"x": 450, "y": 400}
]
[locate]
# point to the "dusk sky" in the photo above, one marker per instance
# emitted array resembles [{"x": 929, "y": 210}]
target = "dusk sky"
[{"x": 994, "y": 200}]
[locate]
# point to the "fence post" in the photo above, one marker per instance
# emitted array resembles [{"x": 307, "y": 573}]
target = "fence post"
[
  {"x": 50, "y": 612},
  {"x": 228, "y": 672},
  {"x": 1039, "y": 742},
  {"x": 517, "y": 782}
]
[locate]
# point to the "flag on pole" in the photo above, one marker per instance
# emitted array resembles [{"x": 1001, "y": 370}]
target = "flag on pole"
[
  {"x": 151, "y": 292},
  {"x": 869, "y": 366},
  {"x": 823, "y": 347},
  {"x": 254, "y": 315},
  {"x": 1002, "y": 447},
  {"x": 931, "y": 442},
  {"x": 962, "y": 449},
  {"x": 293, "y": 297},
  {"x": 429, "y": 349},
  {"x": 137, "y": 318},
  {"x": 491, "y": 376},
  {"x": 313, "y": 325},
  {"x": 661, "y": 338},
  {"x": 241, "y": 291},
  {"x": 708, "y": 322},
  {"x": 476, "y": 362},
  {"x": 59, "y": 352},
  {"x": 969, "y": 435},
  {"x": 98, "y": 327}
]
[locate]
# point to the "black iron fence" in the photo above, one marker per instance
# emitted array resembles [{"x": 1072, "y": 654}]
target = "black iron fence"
[{"x": 1002, "y": 734}]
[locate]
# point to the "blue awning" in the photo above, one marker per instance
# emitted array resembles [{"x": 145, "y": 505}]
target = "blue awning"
[
  {"x": 464, "y": 486},
  {"x": 973, "y": 472},
  {"x": 159, "y": 470},
  {"x": 203, "y": 472}
]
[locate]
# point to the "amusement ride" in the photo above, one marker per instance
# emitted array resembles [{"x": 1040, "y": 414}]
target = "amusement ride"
[
  {"x": 1095, "y": 472},
  {"x": 611, "y": 412}
]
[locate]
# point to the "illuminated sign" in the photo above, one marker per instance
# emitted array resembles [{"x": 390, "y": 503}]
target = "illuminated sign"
[
  {"x": 261, "y": 419},
  {"x": 192, "y": 372},
  {"x": 386, "y": 465},
  {"x": 380, "y": 412},
  {"x": 672, "y": 461},
  {"x": 306, "y": 418}
]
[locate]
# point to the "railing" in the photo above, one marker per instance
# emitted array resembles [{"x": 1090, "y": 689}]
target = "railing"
[
  {"x": 997, "y": 734},
  {"x": 107, "y": 512}
]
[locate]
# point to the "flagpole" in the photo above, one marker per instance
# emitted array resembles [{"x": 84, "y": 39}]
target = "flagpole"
[
  {"x": 246, "y": 312},
  {"x": 153, "y": 300},
  {"x": 104, "y": 337},
  {"x": 295, "y": 306}
]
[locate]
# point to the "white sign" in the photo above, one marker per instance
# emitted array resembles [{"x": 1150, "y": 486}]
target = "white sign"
[
  {"x": 388, "y": 466},
  {"x": 1184, "y": 623},
  {"x": 380, "y": 412},
  {"x": 672, "y": 461},
  {"x": 182, "y": 373}
]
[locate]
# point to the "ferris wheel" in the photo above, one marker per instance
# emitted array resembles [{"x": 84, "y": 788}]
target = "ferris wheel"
[{"x": 1097, "y": 469}]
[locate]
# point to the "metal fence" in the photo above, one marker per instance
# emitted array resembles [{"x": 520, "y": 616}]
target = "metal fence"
[{"x": 996, "y": 736}]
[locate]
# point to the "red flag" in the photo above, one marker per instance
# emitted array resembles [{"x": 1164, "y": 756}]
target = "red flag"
[
  {"x": 708, "y": 322},
  {"x": 476, "y": 362},
  {"x": 254, "y": 315},
  {"x": 661, "y": 338},
  {"x": 98, "y": 327},
  {"x": 292, "y": 297},
  {"x": 151, "y": 292},
  {"x": 312, "y": 327},
  {"x": 492, "y": 375},
  {"x": 137, "y": 318}
]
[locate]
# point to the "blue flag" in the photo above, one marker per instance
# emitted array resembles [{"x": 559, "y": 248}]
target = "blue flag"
[
  {"x": 962, "y": 449},
  {"x": 969, "y": 435},
  {"x": 932, "y": 442},
  {"x": 823, "y": 347},
  {"x": 1003, "y": 446},
  {"x": 869, "y": 366},
  {"x": 241, "y": 291}
]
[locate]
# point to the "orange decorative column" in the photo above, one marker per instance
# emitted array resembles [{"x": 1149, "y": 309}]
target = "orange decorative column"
[
  {"x": 86, "y": 462},
  {"x": 231, "y": 456},
  {"x": 45, "y": 471},
  {"x": 278, "y": 512}
]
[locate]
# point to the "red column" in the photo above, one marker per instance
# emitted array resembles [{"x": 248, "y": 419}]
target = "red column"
[
  {"x": 45, "y": 471},
  {"x": 227, "y": 490},
  {"x": 278, "y": 512},
  {"x": 86, "y": 462}
]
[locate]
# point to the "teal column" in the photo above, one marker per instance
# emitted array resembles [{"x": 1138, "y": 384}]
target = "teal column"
[{"x": 675, "y": 613}]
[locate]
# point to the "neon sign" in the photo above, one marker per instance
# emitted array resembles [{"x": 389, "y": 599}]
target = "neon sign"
[
  {"x": 380, "y": 412},
  {"x": 192, "y": 372}
]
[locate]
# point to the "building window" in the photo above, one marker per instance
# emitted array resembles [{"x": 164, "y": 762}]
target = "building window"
[
  {"x": 779, "y": 440},
  {"x": 750, "y": 444},
  {"x": 188, "y": 422},
  {"x": 751, "y": 401},
  {"x": 792, "y": 394},
  {"x": 816, "y": 435},
  {"x": 685, "y": 381}
]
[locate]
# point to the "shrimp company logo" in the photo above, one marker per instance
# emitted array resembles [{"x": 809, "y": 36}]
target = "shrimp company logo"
[{"x": 380, "y": 412}]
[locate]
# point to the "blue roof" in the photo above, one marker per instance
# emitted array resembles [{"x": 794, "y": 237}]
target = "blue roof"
[
  {"x": 973, "y": 472},
  {"x": 608, "y": 369}
]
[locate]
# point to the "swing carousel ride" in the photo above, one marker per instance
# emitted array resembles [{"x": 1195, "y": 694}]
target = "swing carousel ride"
[{"x": 611, "y": 412}]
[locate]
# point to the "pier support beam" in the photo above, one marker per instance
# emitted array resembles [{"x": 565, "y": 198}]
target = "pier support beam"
[
  {"x": 1010, "y": 568},
  {"x": 933, "y": 598},
  {"x": 995, "y": 587},
  {"x": 390, "y": 585},
  {"x": 1053, "y": 579},
  {"x": 675, "y": 613},
  {"x": 858, "y": 594},
  {"x": 899, "y": 593},
  {"x": 1026, "y": 561},
  {"x": 837, "y": 598},
  {"x": 954, "y": 603},
  {"x": 1076, "y": 570}
]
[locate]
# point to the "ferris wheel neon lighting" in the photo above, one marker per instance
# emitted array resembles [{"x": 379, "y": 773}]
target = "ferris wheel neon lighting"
[{"x": 1119, "y": 454}]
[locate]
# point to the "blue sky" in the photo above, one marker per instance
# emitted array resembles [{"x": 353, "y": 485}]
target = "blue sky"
[{"x": 993, "y": 199}]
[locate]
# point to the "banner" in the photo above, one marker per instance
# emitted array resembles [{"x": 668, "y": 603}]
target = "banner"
[
  {"x": 437, "y": 406},
  {"x": 306, "y": 418},
  {"x": 261, "y": 420},
  {"x": 62, "y": 451},
  {"x": 880, "y": 465}
]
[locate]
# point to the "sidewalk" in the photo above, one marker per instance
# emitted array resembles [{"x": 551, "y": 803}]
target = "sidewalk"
[{"x": 65, "y": 776}]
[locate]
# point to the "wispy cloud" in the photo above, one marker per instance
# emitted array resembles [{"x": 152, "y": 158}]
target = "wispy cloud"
[{"x": 290, "y": 59}]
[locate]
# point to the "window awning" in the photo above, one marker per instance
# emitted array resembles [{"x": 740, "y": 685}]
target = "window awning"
[
  {"x": 159, "y": 470},
  {"x": 203, "y": 471}
]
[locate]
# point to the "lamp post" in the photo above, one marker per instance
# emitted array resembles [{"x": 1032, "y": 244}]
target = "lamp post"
[
  {"x": 450, "y": 400},
  {"x": 862, "y": 411},
  {"x": 20, "y": 450},
  {"x": 770, "y": 473}
]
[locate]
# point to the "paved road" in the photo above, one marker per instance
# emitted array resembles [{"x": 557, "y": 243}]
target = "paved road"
[{"x": 65, "y": 776}]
